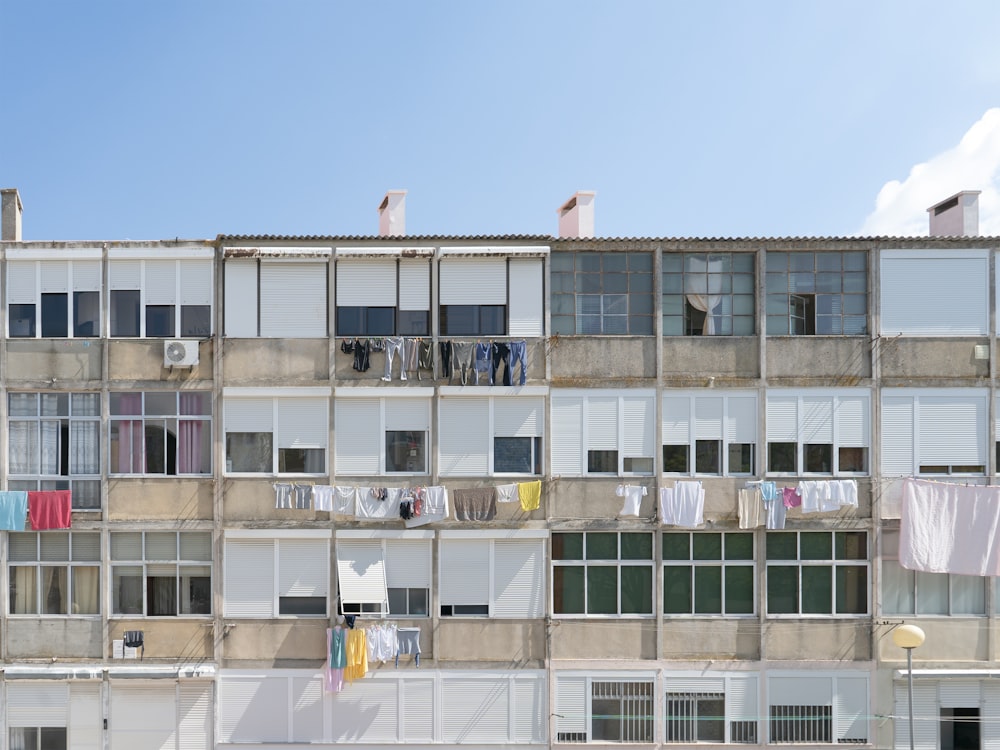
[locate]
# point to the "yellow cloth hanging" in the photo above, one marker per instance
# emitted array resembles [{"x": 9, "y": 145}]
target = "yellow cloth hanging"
[
  {"x": 529, "y": 493},
  {"x": 357, "y": 655}
]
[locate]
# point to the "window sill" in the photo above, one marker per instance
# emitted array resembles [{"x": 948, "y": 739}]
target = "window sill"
[{"x": 165, "y": 618}]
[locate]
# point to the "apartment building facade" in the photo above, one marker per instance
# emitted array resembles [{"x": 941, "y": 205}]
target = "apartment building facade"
[{"x": 197, "y": 397}]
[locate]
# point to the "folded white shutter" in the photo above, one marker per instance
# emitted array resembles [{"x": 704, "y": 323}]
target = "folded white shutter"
[
  {"x": 518, "y": 417},
  {"x": 602, "y": 423},
  {"x": 161, "y": 282},
  {"x": 741, "y": 419},
  {"x": 408, "y": 563},
  {"x": 293, "y": 300},
  {"x": 366, "y": 283},
  {"x": 852, "y": 421},
  {"x": 817, "y": 419},
  {"x": 194, "y": 703},
  {"x": 307, "y": 709},
  {"x": 303, "y": 567},
  {"x": 926, "y": 716},
  {"x": 991, "y": 707},
  {"x": 934, "y": 293},
  {"x": 959, "y": 694},
  {"x": 475, "y": 710},
  {"x": 782, "y": 419},
  {"x": 676, "y": 420},
  {"x": 526, "y": 297},
  {"x": 361, "y": 571},
  {"x": 248, "y": 414},
  {"x": 567, "y": 436},
  {"x": 571, "y": 707},
  {"x": 408, "y": 414},
  {"x": 248, "y": 586},
  {"x": 851, "y": 710},
  {"x": 414, "y": 285},
  {"x": 196, "y": 282},
  {"x": 143, "y": 717},
  {"x": 638, "y": 428},
  {"x": 241, "y": 298},
  {"x": 54, "y": 276},
  {"x": 807, "y": 690},
  {"x": 125, "y": 274},
  {"x": 473, "y": 281},
  {"x": 530, "y": 703},
  {"x": 418, "y": 711},
  {"x": 253, "y": 709},
  {"x": 357, "y": 435},
  {"x": 22, "y": 286},
  {"x": 463, "y": 436},
  {"x": 898, "y": 438},
  {"x": 741, "y": 698},
  {"x": 302, "y": 422},
  {"x": 518, "y": 578},
  {"x": 85, "y": 716},
  {"x": 708, "y": 418},
  {"x": 464, "y": 575},
  {"x": 86, "y": 275},
  {"x": 37, "y": 704},
  {"x": 953, "y": 430}
]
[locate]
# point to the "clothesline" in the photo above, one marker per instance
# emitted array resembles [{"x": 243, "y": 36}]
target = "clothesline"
[{"x": 45, "y": 509}]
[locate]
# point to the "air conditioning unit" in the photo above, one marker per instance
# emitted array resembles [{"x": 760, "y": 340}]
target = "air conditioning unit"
[{"x": 180, "y": 353}]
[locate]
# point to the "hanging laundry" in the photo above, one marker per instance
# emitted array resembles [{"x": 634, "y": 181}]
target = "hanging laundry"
[
  {"x": 668, "y": 508},
  {"x": 775, "y": 511},
  {"x": 411, "y": 356},
  {"x": 689, "y": 504},
  {"x": 844, "y": 492},
  {"x": 343, "y": 500},
  {"x": 633, "y": 495},
  {"x": 507, "y": 493},
  {"x": 461, "y": 360},
  {"x": 377, "y": 502},
  {"x": 336, "y": 648},
  {"x": 950, "y": 528},
  {"x": 381, "y": 641},
  {"x": 501, "y": 356},
  {"x": 322, "y": 497},
  {"x": 51, "y": 509},
  {"x": 435, "y": 507},
  {"x": 303, "y": 496},
  {"x": 357, "y": 655},
  {"x": 425, "y": 359},
  {"x": 483, "y": 363},
  {"x": 445, "y": 349},
  {"x": 519, "y": 354},
  {"x": 408, "y": 504},
  {"x": 13, "y": 510},
  {"x": 362, "y": 355},
  {"x": 408, "y": 642},
  {"x": 347, "y": 346},
  {"x": 282, "y": 495},
  {"x": 816, "y": 497},
  {"x": 530, "y": 495},
  {"x": 393, "y": 347},
  {"x": 475, "y": 504},
  {"x": 791, "y": 497},
  {"x": 750, "y": 505}
]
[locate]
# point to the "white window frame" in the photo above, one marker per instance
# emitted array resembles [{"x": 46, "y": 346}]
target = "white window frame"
[
  {"x": 617, "y": 563},
  {"x": 188, "y": 267},
  {"x": 574, "y": 714},
  {"x": 738, "y": 690},
  {"x": 148, "y": 562},
  {"x": 40, "y": 564},
  {"x": 312, "y": 543},
  {"x": 406, "y": 294},
  {"x": 399, "y": 546},
  {"x": 903, "y": 410},
  {"x": 572, "y": 433},
  {"x": 684, "y": 424},
  {"x": 810, "y": 688},
  {"x": 470, "y": 450},
  {"x": 82, "y": 273},
  {"x": 802, "y": 431},
  {"x": 456, "y": 582},
  {"x": 722, "y": 563},
  {"x": 177, "y": 417},
  {"x": 262, "y": 304},
  {"x": 360, "y": 412},
  {"x": 314, "y": 400}
]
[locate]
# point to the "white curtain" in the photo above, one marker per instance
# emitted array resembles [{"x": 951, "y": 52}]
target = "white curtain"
[
  {"x": 86, "y": 590},
  {"x": 84, "y": 457},
  {"x": 23, "y": 454},
  {"x": 897, "y": 588},
  {"x": 50, "y": 447},
  {"x": 968, "y": 595},
  {"x": 23, "y": 596},
  {"x": 703, "y": 287},
  {"x": 932, "y": 593}
]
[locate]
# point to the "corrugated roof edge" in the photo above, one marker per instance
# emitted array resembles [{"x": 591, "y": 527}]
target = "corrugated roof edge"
[{"x": 402, "y": 239}]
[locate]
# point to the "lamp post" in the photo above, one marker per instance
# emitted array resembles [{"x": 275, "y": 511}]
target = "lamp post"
[{"x": 908, "y": 637}]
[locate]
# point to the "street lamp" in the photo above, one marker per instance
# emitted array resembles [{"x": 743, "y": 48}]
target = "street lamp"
[{"x": 908, "y": 637}]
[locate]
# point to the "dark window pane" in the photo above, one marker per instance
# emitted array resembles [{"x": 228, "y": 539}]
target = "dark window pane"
[
  {"x": 161, "y": 595},
  {"x": 637, "y": 546},
  {"x": 86, "y": 314},
  {"x": 782, "y": 590},
  {"x": 851, "y": 545},
  {"x": 380, "y": 321},
  {"x": 852, "y": 590},
  {"x": 55, "y": 312},
  {"x": 160, "y": 320},
  {"x": 417, "y": 601},
  {"x": 708, "y": 590},
  {"x": 741, "y": 458},
  {"x": 301, "y": 461},
  {"x": 602, "y": 462},
  {"x": 675, "y": 459},
  {"x": 676, "y": 546},
  {"x": 492, "y": 320},
  {"x": 815, "y": 545},
  {"x": 707, "y": 457},
  {"x": 602, "y": 590},
  {"x": 513, "y": 455},
  {"x": 350, "y": 321},
  {"x": 676, "y": 590},
  {"x": 567, "y": 590},
  {"x": 405, "y": 451},
  {"x": 22, "y": 320},
  {"x": 248, "y": 452},
  {"x": 602, "y": 546},
  {"x": 781, "y": 457},
  {"x": 739, "y": 590},
  {"x": 817, "y": 590},
  {"x": 739, "y": 546},
  {"x": 413, "y": 322},
  {"x": 819, "y": 458},
  {"x": 707, "y": 546},
  {"x": 124, "y": 312},
  {"x": 301, "y": 605},
  {"x": 567, "y": 546},
  {"x": 196, "y": 320},
  {"x": 637, "y": 590},
  {"x": 782, "y": 547},
  {"x": 852, "y": 459}
]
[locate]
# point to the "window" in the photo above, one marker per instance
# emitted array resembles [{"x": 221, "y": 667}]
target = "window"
[
  {"x": 54, "y": 299},
  {"x": 383, "y": 298},
  {"x": 38, "y": 738},
  {"x": 54, "y": 573},
  {"x": 488, "y": 577},
  {"x": 473, "y": 297},
  {"x": 280, "y": 435},
  {"x": 715, "y": 435},
  {"x": 708, "y": 294},
  {"x": 602, "y": 432},
  {"x": 277, "y": 297},
  {"x": 910, "y": 592},
  {"x": 707, "y": 573},
  {"x": 602, "y": 573},
  {"x": 818, "y": 432},
  {"x": 718, "y": 708},
  {"x": 161, "y": 298},
  {"x": 161, "y": 432},
  {"x": 934, "y": 431},
  {"x": 268, "y": 576},
  {"x": 604, "y": 709},
  {"x": 481, "y": 436},
  {"x": 818, "y": 708},
  {"x": 602, "y": 293},
  {"x": 934, "y": 292},
  {"x": 161, "y": 573},
  {"x": 960, "y": 728},
  {"x": 385, "y": 435},
  {"x": 817, "y": 293},
  {"x": 384, "y": 576},
  {"x": 817, "y": 573},
  {"x": 54, "y": 444}
]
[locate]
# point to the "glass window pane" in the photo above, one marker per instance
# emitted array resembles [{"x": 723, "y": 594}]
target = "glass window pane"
[
  {"x": 249, "y": 452},
  {"x": 637, "y": 546},
  {"x": 852, "y": 590},
  {"x": 676, "y": 589},
  {"x": 782, "y": 546},
  {"x": 781, "y": 457},
  {"x": 637, "y": 589},
  {"x": 739, "y": 546},
  {"x": 739, "y": 590},
  {"x": 815, "y": 545},
  {"x": 851, "y": 545},
  {"x": 55, "y": 315},
  {"x": 160, "y": 320},
  {"x": 602, "y": 546},
  {"x": 707, "y": 546},
  {"x": 817, "y": 590},
  {"x": 675, "y": 459},
  {"x": 676, "y": 546},
  {"x": 708, "y": 590},
  {"x": 567, "y": 546},
  {"x": 196, "y": 320},
  {"x": 22, "y": 320},
  {"x": 405, "y": 451},
  {"x": 567, "y": 589},
  {"x": 602, "y": 590},
  {"x": 707, "y": 457},
  {"x": 897, "y": 589},
  {"x": 932, "y": 593},
  {"x": 782, "y": 589},
  {"x": 23, "y": 589},
  {"x": 55, "y": 590},
  {"x": 968, "y": 595}
]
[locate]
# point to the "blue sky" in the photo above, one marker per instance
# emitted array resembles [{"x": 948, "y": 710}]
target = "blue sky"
[{"x": 713, "y": 118}]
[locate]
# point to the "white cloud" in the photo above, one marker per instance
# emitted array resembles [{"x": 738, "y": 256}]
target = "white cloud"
[{"x": 974, "y": 164}]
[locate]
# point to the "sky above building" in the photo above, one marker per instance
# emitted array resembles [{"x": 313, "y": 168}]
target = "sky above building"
[{"x": 716, "y": 118}]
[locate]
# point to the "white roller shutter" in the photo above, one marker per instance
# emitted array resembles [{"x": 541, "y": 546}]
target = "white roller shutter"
[
  {"x": 926, "y": 716},
  {"x": 303, "y": 567},
  {"x": 526, "y": 297},
  {"x": 817, "y": 419},
  {"x": 248, "y": 414},
  {"x": 782, "y": 419},
  {"x": 851, "y": 710},
  {"x": 567, "y": 436},
  {"x": 475, "y": 710},
  {"x": 86, "y": 275},
  {"x": 194, "y": 702},
  {"x": 366, "y": 283},
  {"x": 249, "y": 578},
  {"x": 54, "y": 276},
  {"x": 991, "y": 707},
  {"x": 161, "y": 282},
  {"x": 464, "y": 571},
  {"x": 241, "y": 298},
  {"x": 530, "y": 702},
  {"x": 676, "y": 420},
  {"x": 952, "y": 429},
  {"x": 357, "y": 435},
  {"x": 935, "y": 293},
  {"x": 253, "y": 709},
  {"x": 37, "y": 704},
  {"x": 22, "y": 286},
  {"x": 307, "y": 709},
  {"x": 293, "y": 300},
  {"x": 408, "y": 414},
  {"x": 571, "y": 705},
  {"x": 602, "y": 423},
  {"x": 85, "y": 716},
  {"x": 638, "y": 426},
  {"x": 518, "y": 417},
  {"x": 741, "y": 419},
  {"x": 741, "y": 699},
  {"x": 196, "y": 282},
  {"x": 361, "y": 571},
  {"x": 473, "y": 281},
  {"x": 302, "y": 422},
  {"x": 367, "y": 712},
  {"x": 518, "y": 578},
  {"x": 898, "y": 438},
  {"x": 418, "y": 711},
  {"x": 852, "y": 421},
  {"x": 408, "y": 563},
  {"x": 959, "y": 694},
  {"x": 694, "y": 684},
  {"x": 708, "y": 418},
  {"x": 806, "y": 690},
  {"x": 414, "y": 285},
  {"x": 463, "y": 436},
  {"x": 143, "y": 717},
  {"x": 125, "y": 274}
]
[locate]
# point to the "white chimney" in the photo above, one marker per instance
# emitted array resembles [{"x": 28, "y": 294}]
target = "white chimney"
[
  {"x": 10, "y": 215},
  {"x": 576, "y": 216},
  {"x": 392, "y": 214},
  {"x": 957, "y": 216}
]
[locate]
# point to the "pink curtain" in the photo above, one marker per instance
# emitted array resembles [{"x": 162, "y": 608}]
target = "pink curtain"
[
  {"x": 131, "y": 436},
  {"x": 189, "y": 435}
]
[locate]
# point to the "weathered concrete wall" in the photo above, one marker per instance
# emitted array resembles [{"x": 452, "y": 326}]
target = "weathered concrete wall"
[
  {"x": 253, "y": 500},
  {"x": 54, "y": 361},
  {"x": 578, "y": 360},
  {"x": 688, "y": 360},
  {"x": 822, "y": 640},
  {"x": 178, "y": 640},
  {"x": 716, "y": 638},
  {"x": 931, "y": 362},
  {"x": 38, "y": 638},
  {"x": 142, "y": 360},
  {"x": 274, "y": 643},
  {"x": 160, "y": 499},
  {"x": 603, "y": 639},
  {"x": 582, "y": 499},
  {"x": 832, "y": 360},
  {"x": 275, "y": 362},
  {"x": 949, "y": 639},
  {"x": 490, "y": 640}
]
